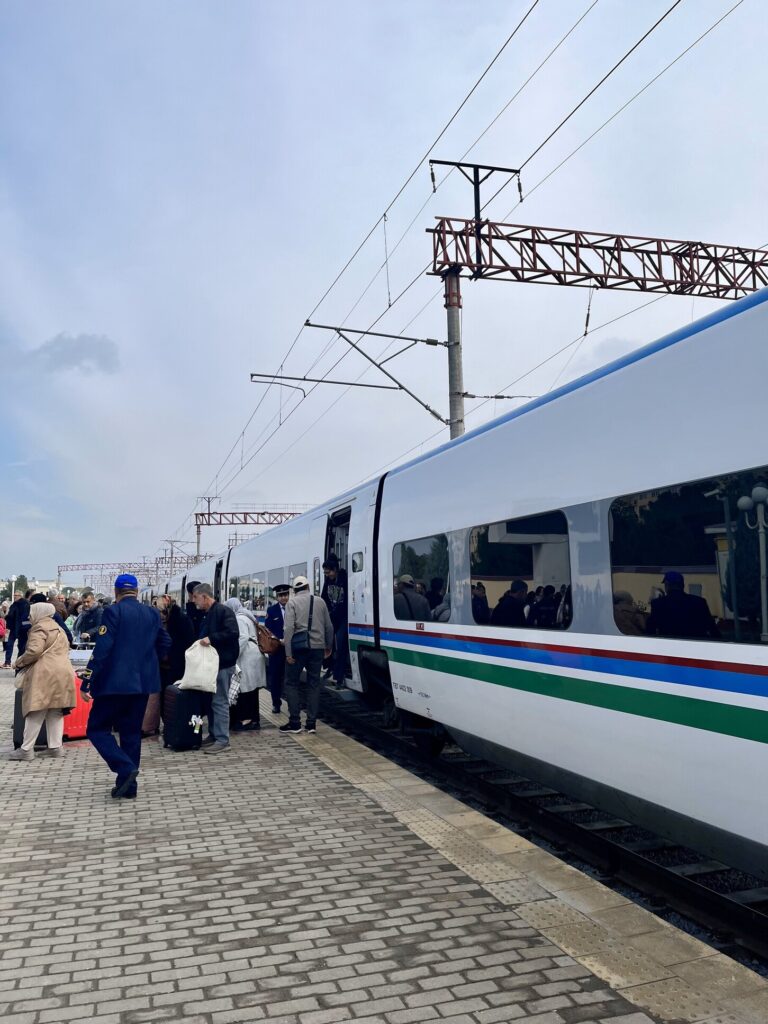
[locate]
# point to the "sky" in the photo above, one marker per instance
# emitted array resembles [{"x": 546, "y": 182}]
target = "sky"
[{"x": 180, "y": 184}]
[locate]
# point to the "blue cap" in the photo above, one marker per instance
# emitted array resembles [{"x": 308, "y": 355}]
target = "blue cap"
[
  {"x": 125, "y": 581},
  {"x": 673, "y": 577}
]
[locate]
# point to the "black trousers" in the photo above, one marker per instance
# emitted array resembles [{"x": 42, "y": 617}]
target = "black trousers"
[
  {"x": 312, "y": 661},
  {"x": 276, "y": 676},
  {"x": 124, "y": 713}
]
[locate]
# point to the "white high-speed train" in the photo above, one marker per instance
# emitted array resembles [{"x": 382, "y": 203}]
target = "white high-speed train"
[{"x": 598, "y": 492}]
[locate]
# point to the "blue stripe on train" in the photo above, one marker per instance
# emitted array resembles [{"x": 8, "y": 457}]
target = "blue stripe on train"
[{"x": 664, "y": 672}]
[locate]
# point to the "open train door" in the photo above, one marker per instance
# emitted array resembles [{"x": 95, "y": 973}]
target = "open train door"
[{"x": 318, "y": 533}]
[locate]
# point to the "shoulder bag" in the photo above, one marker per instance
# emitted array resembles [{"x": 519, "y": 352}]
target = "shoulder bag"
[
  {"x": 267, "y": 641},
  {"x": 300, "y": 639}
]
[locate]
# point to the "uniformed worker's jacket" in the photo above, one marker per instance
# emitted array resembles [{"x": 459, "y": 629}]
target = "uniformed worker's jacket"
[{"x": 129, "y": 643}]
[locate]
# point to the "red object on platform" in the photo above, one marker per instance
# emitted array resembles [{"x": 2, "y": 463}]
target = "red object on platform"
[{"x": 76, "y": 722}]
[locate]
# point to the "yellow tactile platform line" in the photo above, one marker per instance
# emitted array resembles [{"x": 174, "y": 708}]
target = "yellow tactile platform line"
[{"x": 652, "y": 964}]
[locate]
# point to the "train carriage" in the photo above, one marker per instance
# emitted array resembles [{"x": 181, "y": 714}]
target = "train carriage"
[{"x": 594, "y": 495}]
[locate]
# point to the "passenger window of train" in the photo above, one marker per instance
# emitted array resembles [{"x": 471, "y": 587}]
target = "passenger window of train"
[
  {"x": 421, "y": 579},
  {"x": 317, "y": 577},
  {"x": 299, "y": 569},
  {"x": 244, "y": 589},
  {"x": 357, "y": 561},
  {"x": 686, "y": 561},
  {"x": 521, "y": 573},
  {"x": 259, "y": 591},
  {"x": 274, "y": 576}
]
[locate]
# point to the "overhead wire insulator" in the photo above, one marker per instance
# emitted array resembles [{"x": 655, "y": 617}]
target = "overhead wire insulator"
[
  {"x": 520, "y": 188},
  {"x": 589, "y": 311},
  {"x": 432, "y": 176}
]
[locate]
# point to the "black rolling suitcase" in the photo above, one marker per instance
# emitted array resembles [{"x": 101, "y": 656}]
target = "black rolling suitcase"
[
  {"x": 183, "y": 713},
  {"x": 18, "y": 727}
]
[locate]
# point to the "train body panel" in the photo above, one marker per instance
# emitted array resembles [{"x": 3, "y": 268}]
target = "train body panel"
[{"x": 673, "y": 732}]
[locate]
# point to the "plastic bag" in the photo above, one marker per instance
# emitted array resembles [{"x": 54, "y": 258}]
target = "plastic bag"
[{"x": 200, "y": 669}]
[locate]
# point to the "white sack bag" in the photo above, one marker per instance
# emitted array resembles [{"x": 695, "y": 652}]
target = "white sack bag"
[{"x": 201, "y": 668}]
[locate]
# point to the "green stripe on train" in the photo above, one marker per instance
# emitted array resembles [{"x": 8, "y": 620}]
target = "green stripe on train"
[{"x": 728, "y": 719}]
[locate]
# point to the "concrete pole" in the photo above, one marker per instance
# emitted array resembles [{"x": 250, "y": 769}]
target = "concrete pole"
[{"x": 452, "y": 283}]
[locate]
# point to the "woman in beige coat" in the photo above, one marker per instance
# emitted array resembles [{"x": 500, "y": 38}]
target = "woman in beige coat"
[{"x": 48, "y": 687}]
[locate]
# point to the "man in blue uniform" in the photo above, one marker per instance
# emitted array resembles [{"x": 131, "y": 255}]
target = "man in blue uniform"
[
  {"x": 275, "y": 623},
  {"x": 123, "y": 671}
]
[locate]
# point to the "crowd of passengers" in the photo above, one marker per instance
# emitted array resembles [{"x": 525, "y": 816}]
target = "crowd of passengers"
[
  {"x": 79, "y": 617},
  {"x": 674, "y": 613},
  {"x": 543, "y": 608}
]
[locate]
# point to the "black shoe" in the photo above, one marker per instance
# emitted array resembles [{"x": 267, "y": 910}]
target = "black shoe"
[
  {"x": 208, "y": 741},
  {"x": 251, "y": 726},
  {"x": 237, "y": 727},
  {"x": 310, "y": 727},
  {"x": 276, "y": 711},
  {"x": 327, "y": 674},
  {"x": 126, "y": 788},
  {"x": 290, "y": 727}
]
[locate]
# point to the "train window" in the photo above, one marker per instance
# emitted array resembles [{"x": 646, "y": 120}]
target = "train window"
[
  {"x": 244, "y": 589},
  {"x": 421, "y": 574},
  {"x": 521, "y": 573},
  {"x": 317, "y": 576},
  {"x": 259, "y": 591},
  {"x": 686, "y": 560},
  {"x": 234, "y": 586},
  {"x": 274, "y": 576},
  {"x": 357, "y": 561},
  {"x": 299, "y": 569}
]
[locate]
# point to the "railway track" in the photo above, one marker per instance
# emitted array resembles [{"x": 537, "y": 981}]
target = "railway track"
[{"x": 730, "y": 904}]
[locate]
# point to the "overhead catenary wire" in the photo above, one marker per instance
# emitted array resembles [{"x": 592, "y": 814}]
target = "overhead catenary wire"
[
  {"x": 592, "y": 135},
  {"x": 389, "y": 206},
  {"x": 629, "y": 102},
  {"x": 535, "y": 187},
  {"x": 584, "y": 99}
]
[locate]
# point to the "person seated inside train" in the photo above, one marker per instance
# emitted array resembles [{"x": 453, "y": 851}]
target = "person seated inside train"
[
  {"x": 627, "y": 616},
  {"x": 481, "y": 612},
  {"x": 442, "y": 612},
  {"x": 510, "y": 611},
  {"x": 680, "y": 615},
  {"x": 409, "y": 604},
  {"x": 543, "y": 612},
  {"x": 436, "y": 592}
]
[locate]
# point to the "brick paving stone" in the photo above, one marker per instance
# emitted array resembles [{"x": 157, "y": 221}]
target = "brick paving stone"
[{"x": 267, "y": 886}]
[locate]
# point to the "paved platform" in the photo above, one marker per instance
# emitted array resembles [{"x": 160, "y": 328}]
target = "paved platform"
[{"x": 307, "y": 880}]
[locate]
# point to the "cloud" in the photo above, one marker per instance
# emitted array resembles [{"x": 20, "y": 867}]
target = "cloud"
[
  {"x": 86, "y": 353},
  {"x": 82, "y": 353}
]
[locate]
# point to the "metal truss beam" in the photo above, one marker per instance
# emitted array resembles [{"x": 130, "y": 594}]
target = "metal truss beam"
[
  {"x": 265, "y": 518},
  {"x": 590, "y": 259}
]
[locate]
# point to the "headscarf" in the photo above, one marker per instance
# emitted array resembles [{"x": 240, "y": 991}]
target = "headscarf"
[
  {"x": 41, "y": 610},
  {"x": 239, "y": 609}
]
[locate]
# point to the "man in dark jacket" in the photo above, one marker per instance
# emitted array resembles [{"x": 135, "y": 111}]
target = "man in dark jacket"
[
  {"x": 195, "y": 614},
  {"x": 17, "y": 613},
  {"x": 122, "y": 673},
  {"x": 408, "y": 603},
  {"x": 510, "y": 611},
  {"x": 219, "y": 630},
  {"x": 88, "y": 621},
  {"x": 275, "y": 623},
  {"x": 681, "y": 615},
  {"x": 336, "y": 597}
]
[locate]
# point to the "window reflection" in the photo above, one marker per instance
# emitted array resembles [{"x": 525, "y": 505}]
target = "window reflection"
[
  {"x": 521, "y": 576},
  {"x": 686, "y": 560},
  {"x": 421, "y": 580}
]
